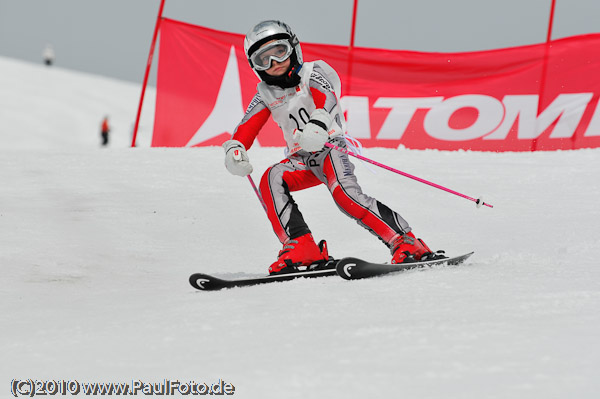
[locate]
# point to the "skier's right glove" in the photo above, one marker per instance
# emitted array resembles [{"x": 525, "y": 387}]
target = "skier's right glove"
[
  {"x": 315, "y": 133},
  {"x": 236, "y": 158}
]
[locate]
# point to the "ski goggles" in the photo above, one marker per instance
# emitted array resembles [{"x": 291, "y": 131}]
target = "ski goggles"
[{"x": 279, "y": 50}]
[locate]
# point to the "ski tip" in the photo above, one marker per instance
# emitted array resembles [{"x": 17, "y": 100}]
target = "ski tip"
[
  {"x": 344, "y": 267},
  {"x": 202, "y": 282},
  {"x": 354, "y": 268}
]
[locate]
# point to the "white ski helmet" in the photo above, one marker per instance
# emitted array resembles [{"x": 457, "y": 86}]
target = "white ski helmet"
[{"x": 267, "y": 31}]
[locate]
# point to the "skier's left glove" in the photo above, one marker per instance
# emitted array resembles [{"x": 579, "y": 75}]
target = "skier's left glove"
[
  {"x": 315, "y": 133},
  {"x": 236, "y": 158}
]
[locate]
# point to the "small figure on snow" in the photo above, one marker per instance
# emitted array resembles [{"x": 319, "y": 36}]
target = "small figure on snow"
[
  {"x": 48, "y": 55},
  {"x": 302, "y": 98},
  {"x": 104, "y": 130}
]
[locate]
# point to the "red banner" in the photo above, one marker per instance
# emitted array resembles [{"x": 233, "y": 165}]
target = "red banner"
[{"x": 537, "y": 97}]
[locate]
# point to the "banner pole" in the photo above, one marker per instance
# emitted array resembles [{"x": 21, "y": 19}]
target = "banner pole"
[
  {"x": 350, "y": 49},
  {"x": 551, "y": 22},
  {"x": 147, "y": 73},
  {"x": 545, "y": 66},
  {"x": 353, "y": 29}
]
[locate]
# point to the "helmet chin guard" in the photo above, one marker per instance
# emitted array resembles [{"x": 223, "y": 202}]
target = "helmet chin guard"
[{"x": 267, "y": 31}]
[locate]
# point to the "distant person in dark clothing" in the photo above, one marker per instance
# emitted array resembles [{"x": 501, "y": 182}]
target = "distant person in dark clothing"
[
  {"x": 104, "y": 130},
  {"x": 48, "y": 55}
]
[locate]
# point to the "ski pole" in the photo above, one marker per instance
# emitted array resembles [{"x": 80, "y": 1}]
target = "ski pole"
[
  {"x": 260, "y": 198},
  {"x": 478, "y": 202},
  {"x": 238, "y": 157}
]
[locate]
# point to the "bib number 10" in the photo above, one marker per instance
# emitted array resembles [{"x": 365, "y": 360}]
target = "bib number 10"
[{"x": 304, "y": 117}]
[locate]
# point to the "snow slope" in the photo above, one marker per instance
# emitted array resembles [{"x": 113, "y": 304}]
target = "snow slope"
[{"x": 96, "y": 246}]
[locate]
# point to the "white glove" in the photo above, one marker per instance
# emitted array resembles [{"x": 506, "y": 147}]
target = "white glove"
[
  {"x": 315, "y": 133},
  {"x": 236, "y": 158}
]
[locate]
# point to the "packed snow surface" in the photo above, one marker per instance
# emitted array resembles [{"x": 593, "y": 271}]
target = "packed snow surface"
[{"x": 96, "y": 246}]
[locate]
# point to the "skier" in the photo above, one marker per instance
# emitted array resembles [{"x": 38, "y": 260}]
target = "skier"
[
  {"x": 302, "y": 97},
  {"x": 104, "y": 130},
  {"x": 48, "y": 55}
]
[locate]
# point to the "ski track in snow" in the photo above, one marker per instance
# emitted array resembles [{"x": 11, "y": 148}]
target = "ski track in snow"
[{"x": 96, "y": 246}]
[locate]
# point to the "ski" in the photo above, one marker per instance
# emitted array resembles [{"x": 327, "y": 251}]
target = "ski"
[
  {"x": 347, "y": 268},
  {"x": 206, "y": 282},
  {"x": 354, "y": 268}
]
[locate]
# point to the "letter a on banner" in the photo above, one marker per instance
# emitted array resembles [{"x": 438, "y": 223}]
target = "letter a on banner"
[{"x": 228, "y": 109}]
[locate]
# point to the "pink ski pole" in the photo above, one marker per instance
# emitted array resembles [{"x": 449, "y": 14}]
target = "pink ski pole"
[
  {"x": 479, "y": 202},
  {"x": 260, "y": 198},
  {"x": 238, "y": 156}
]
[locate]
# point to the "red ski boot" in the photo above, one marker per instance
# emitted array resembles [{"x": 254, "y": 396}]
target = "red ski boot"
[
  {"x": 301, "y": 251},
  {"x": 407, "y": 248}
]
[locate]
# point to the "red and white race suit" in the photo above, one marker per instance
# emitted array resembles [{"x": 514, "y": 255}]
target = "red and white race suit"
[{"x": 291, "y": 109}]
